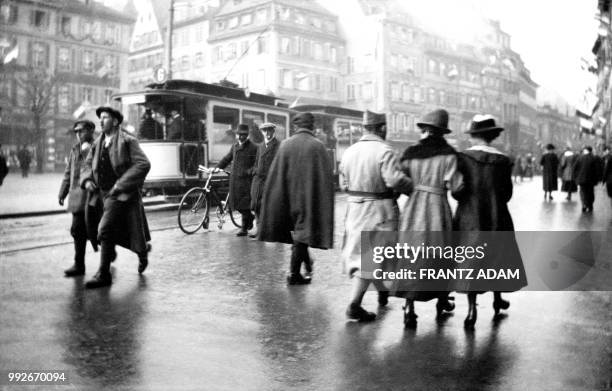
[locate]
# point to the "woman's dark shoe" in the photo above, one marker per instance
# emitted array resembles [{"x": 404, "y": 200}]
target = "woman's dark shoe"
[
  {"x": 500, "y": 304},
  {"x": 470, "y": 320},
  {"x": 143, "y": 259},
  {"x": 74, "y": 271},
  {"x": 297, "y": 279},
  {"x": 445, "y": 304},
  {"x": 383, "y": 298},
  {"x": 410, "y": 320},
  {"x": 356, "y": 312},
  {"x": 99, "y": 280}
]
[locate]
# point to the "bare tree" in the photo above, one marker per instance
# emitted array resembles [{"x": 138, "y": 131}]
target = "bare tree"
[{"x": 38, "y": 86}]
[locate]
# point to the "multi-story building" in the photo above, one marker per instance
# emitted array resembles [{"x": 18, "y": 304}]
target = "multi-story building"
[
  {"x": 292, "y": 49},
  {"x": 557, "y": 127},
  {"x": 78, "y": 49},
  {"x": 602, "y": 49},
  {"x": 190, "y": 48}
]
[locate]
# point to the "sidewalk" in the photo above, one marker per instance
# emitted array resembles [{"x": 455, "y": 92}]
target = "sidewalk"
[{"x": 36, "y": 194}]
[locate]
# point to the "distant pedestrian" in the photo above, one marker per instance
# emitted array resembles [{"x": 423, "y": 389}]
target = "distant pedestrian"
[
  {"x": 607, "y": 174},
  {"x": 518, "y": 170},
  {"x": 266, "y": 151},
  {"x": 482, "y": 204},
  {"x": 71, "y": 187},
  {"x": 370, "y": 174},
  {"x": 432, "y": 166},
  {"x": 529, "y": 166},
  {"x": 241, "y": 156},
  {"x": 114, "y": 173},
  {"x": 149, "y": 128},
  {"x": 587, "y": 173},
  {"x": 25, "y": 158},
  {"x": 566, "y": 168},
  {"x": 550, "y": 166},
  {"x": 298, "y": 199},
  {"x": 3, "y": 167}
]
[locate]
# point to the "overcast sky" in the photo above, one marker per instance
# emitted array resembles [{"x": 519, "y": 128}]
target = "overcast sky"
[{"x": 550, "y": 35}]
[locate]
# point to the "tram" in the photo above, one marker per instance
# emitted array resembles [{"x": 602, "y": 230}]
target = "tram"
[{"x": 182, "y": 124}]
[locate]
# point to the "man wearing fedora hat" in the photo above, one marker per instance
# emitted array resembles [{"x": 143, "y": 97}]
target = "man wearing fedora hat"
[
  {"x": 298, "y": 198},
  {"x": 242, "y": 158},
  {"x": 114, "y": 172},
  {"x": 432, "y": 165},
  {"x": 482, "y": 206},
  {"x": 266, "y": 152},
  {"x": 71, "y": 188},
  {"x": 370, "y": 174}
]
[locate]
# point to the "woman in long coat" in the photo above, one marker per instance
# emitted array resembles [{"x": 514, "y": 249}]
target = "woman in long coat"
[
  {"x": 550, "y": 166},
  {"x": 566, "y": 169},
  {"x": 432, "y": 165},
  {"x": 482, "y": 206}
]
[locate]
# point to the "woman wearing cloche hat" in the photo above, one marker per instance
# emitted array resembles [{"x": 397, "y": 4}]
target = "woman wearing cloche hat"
[
  {"x": 432, "y": 165},
  {"x": 482, "y": 206}
]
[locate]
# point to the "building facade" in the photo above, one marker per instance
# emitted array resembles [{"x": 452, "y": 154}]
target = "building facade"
[
  {"x": 602, "y": 49},
  {"x": 73, "y": 54}
]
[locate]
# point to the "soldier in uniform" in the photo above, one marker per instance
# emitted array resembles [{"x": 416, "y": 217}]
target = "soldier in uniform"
[{"x": 371, "y": 175}]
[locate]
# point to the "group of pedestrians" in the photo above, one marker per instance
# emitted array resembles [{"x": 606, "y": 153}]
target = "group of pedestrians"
[
  {"x": 577, "y": 172},
  {"x": 102, "y": 181},
  {"x": 479, "y": 178}
]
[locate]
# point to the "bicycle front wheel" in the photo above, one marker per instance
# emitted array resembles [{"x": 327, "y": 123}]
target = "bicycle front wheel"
[
  {"x": 236, "y": 217},
  {"x": 193, "y": 210}
]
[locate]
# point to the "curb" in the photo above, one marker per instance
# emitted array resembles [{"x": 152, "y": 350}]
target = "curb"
[{"x": 150, "y": 206}]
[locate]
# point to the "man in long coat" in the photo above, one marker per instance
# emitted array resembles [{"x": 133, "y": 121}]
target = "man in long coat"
[
  {"x": 298, "y": 197},
  {"x": 242, "y": 158},
  {"x": 266, "y": 152},
  {"x": 587, "y": 173},
  {"x": 114, "y": 173},
  {"x": 550, "y": 166},
  {"x": 71, "y": 188},
  {"x": 370, "y": 174}
]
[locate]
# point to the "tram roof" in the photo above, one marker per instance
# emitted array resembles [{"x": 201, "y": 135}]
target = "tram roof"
[
  {"x": 334, "y": 110},
  {"x": 213, "y": 90}
]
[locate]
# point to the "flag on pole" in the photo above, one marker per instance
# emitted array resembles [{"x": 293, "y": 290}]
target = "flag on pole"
[
  {"x": 81, "y": 110},
  {"x": 11, "y": 55},
  {"x": 452, "y": 73},
  {"x": 294, "y": 103}
]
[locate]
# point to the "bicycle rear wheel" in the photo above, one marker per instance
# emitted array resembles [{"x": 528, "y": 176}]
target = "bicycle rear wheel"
[
  {"x": 236, "y": 217},
  {"x": 193, "y": 210}
]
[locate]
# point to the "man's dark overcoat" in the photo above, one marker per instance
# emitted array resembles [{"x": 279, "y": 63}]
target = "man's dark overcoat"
[
  {"x": 131, "y": 166},
  {"x": 263, "y": 161},
  {"x": 299, "y": 194},
  {"x": 242, "y": 159},
  {"x": 550, "y": 167},
  {"x": 587, "y": 170}
]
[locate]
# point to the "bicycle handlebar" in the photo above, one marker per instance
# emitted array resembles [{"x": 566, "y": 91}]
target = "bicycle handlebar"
[{"x": 211, "y": 170}]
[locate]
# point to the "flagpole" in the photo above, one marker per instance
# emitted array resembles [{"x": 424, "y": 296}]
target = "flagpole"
[{"x": 169, "y": 40}]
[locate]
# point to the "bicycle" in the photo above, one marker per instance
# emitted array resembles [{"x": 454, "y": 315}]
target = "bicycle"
[{"x": 194, "y": 207}]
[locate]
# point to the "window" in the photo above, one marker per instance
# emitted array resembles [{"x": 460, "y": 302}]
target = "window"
[
  {"x": 262, "y": 15},
  {"x": 350, "y": 92},
  {"x": 350, "y": 65},
  {"x": 394, "y": 61},
  {"x": 63, "y": 99},
  {"x": 395, "y": 91},
  {"x": 233, "y": 22},
  {"x": 39, "y": 54},
  {"x": 431, "y": 97},
  {"x": 246, "y": 19},
  {"x": 87, "y": 94},
  {"x": 367, "y": 91},
  {"x": 198, "y": 60},
  {"x": 64, "y": 59},
  {"x": 184, "y": 63},
  {"x": 39, "y": 19},
  {"x": 217, "y": 53},
  {"x": 96, "y": 31},
  {"x": 244, "y": 47},
  {"x": 225, "y": 120},
  {"x": 88, "y": 61},
  {"x": 300, "y": 19},
  {"x": 285, "y": 46},
  {"x": 262, "y": 43},
  {"x": 220, "y": 25},
  {"x": 317, "y": 83},
  {"x": 286, "y": 78},
  {"x": 230, "y": 51},
  {"x": 8, "y": 13},
  {"x": 406, "y": 93},
  {"x": 66, "y": 25},
  {"x": 432, "y": 67},
  {"x": 318, "y": 51},
  {"x": 107, "y": 96},
  {"x": 332, "y": 54}
]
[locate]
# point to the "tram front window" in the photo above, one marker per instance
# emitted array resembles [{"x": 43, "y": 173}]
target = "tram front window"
[{"x": 168, "y": 117}]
